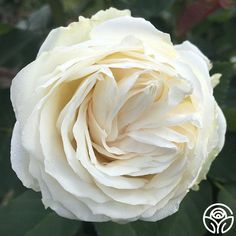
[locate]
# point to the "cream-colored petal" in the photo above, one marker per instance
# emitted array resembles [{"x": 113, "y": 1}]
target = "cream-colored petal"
[
  {"x": 138, "y": 196},
  {"x": 215, "y": 144},
  {"x": 121, "y": 27},
  {"x": 74, "y": 33},
  {"x": 171, "y": 207},
  {"x": 55, "y": 162},
  {"x": 215, "y": 79},
  {"x": 85, "y": 150},
  {"x": 187, "y": 46},
  {"x": 78, "y": 32},
  {"x": 66, "y": 200},
  {"x": 151, "y": 139},
  {"x": 20, "y": 160},
  {"x": 108, "y": 14}
]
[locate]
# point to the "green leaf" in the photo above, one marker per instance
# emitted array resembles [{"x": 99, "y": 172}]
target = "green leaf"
[
  {"x": 4, "y": 28},
  {"x": 223, "y": 15},
  {"x": 147, "y": 8},
  {"x": 19, "y": 47},
  {"x": 109, "y": 228},
  {"x": 227, "y": 195},
  {"x": 223, "y": 168},
  {"x": 57, "y": 12},
  {"x": 230, "y": 115},
  {"x": 187, "y": 221},
  {"x": 7, "y": 118},
  {"x": 21, "y": 214},
  {"x": 221, "y": 90},
  {"x": 10, "y": 184},
  {"x": 88, "y": 8},
  {"x": 72, "y": 6},
  {"x": 53, "y": 224},
  {"x": 26, "y": 215}
]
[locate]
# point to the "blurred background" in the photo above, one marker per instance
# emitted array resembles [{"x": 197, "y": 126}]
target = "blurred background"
[{"x": 209, "y": 24}]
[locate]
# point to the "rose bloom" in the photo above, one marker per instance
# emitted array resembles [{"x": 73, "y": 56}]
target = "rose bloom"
[{"x": 114, "y": 122}]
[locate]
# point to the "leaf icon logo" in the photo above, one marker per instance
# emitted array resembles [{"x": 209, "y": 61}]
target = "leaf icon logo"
[
  {"x": 218, "y": 218},
  {"x": 226, "y": 224}
]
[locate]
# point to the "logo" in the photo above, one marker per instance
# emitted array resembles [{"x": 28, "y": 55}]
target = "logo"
[{"x": 218, "y": 218}]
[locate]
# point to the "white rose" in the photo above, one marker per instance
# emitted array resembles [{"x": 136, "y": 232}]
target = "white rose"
[{"x": 114, "y": 122}]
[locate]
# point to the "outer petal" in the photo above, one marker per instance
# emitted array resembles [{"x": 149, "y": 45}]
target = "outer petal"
[
  {"x": 121, "y": 27},
  {"x": 78, "y": 32},
  {"x": 24, "y": 85},
  {"x": 20, "y": 160},
  {"x": 170, "y": 208},
  {"x": 187, "y": 46},
  {"x": 74, "y": 33},
  {"x": 110, "y": 13},
  {"x": 215, "y": 144}
]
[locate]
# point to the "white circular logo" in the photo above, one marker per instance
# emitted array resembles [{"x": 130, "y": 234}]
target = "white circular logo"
[{"x": 218, "y": 218}]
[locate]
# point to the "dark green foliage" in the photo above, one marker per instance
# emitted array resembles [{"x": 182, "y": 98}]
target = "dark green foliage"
[
  {"x": 26, "y": 215},
  {"x": 24, "y": 25}
]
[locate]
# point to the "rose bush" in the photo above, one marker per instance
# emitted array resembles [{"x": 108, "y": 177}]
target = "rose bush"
[{"x": 114, "y": 122}]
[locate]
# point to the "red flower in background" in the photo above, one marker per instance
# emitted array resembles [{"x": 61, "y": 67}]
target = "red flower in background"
[{"x": 197, "y": 11}]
